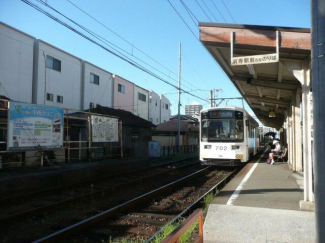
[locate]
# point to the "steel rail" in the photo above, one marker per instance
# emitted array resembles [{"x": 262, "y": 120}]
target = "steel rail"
[
  {"x": 116, "y": 210},
  {"x": 17, "y": 198},
  {"x": 56, "y": 205},
  {"x": 197, "y": 202},
  {"x": 213, "y": 189}
]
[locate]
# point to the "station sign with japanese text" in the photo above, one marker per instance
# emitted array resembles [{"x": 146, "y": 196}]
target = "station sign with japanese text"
[{"x": 255, "y": 59}]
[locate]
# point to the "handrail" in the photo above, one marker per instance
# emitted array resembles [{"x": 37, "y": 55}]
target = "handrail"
[{"x": 180, "y": 230}]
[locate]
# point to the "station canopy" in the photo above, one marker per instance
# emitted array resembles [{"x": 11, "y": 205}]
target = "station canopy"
[{"x": 260, "y": 61}]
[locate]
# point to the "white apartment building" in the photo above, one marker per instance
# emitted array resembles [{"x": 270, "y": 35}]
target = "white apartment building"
[
  {"x": 164, "y": 109},
  {"x": 34, "y": 71},
  {"x": 154, "y": 108},
  {"x": 97, "y": 86},
  {"x": 123, "y": 94},
  {"x": 57, "y": 77},
  {"x": 141, "y": 102},
  {"x": 159, "y": 108},
  {"x": 16, "y": 64}
]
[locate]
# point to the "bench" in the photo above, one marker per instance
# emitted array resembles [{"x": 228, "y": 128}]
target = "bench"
[{"x": 281, "y": 156}]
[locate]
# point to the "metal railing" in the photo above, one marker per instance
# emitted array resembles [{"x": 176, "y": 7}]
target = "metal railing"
[{"x": 180, "y": 230}]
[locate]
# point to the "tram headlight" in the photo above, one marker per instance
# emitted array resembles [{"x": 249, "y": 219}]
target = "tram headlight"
[
  {"x": 207, "y": 146},
  {"x": 234, "y": 147}
]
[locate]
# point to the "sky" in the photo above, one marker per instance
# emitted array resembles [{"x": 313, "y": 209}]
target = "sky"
[{"x": 149, "y": 33}]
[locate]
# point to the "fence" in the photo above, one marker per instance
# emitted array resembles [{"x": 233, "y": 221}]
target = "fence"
[
  {"x": 77, "y": 143},
  {"x": 173, "y": 150}
]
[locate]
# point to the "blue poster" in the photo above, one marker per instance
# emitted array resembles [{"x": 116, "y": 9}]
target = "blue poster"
[{"x": 34, "y": 127}]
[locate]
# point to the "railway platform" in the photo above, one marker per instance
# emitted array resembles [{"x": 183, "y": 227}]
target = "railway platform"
[{"x": 260, "y": 204}]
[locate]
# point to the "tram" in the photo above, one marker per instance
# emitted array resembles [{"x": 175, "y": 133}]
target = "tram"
[{"x": 229, "y": 136}]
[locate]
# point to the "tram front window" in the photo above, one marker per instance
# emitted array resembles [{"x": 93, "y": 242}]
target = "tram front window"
[{"x": 222, "y": 130}]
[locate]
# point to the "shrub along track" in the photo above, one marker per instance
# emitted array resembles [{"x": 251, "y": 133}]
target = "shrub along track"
[
  {"x": 29, "y": 226},
  {"x": 139, "y": 218}
]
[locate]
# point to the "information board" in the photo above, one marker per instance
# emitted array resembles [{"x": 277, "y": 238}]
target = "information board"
[
  {"x": 104, "y": 129},
  {"x": 31, "y": 127}
]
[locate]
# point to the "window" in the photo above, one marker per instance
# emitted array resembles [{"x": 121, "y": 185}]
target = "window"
[
  {"x": 121, "y": 88},
  {"x": 142, "y": 97},
  {"x": 135, "y": 137},
  {"x": 156, "y": 103},
  {"x": 59, "y": 99},
  {"x": 151, "y": 119},
  {"x": 166, "y": 106},
  {"x": 222, "y": 130},
  {"x": 94, "y": 79},
  {"x": 49, "y": 97},
  {"x": 53, "y": 63},
  {"x": 91, "y": 105},
  {"x": 157, "y": 120}
]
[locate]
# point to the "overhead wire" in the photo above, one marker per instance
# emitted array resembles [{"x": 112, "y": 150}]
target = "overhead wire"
[
  {"x": 133, "y": 46},
  {"x": 209, "y": 11},
  {"x": 102, "y": 39},
  {"x": 218, "y": 10},
  {"x": 189, "y": 13},
  {"x": 182, "y": 19},
  {"x": 229, "y": 11},
  {"x": 223, "y": 72},
  {"x": 108, "y": 50},
  {"x": 203, "y": 11}
]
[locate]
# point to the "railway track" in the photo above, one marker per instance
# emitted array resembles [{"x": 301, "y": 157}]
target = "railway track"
[
  {"x": 34, "y": 203},
  {"x": 50, "y": 217},
  {"x": 138, "y": 220}
]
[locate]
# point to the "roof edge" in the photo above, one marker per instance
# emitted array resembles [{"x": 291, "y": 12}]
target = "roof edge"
[
  {"x": 259, "y": 27},
  {"x": 15, "y": 29}
]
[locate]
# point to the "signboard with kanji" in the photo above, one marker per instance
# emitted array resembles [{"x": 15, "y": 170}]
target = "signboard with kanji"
[
  {"x": 256, "y": 59},
  {"x": 34, "y": 127},
  {"x": 104, "y": 129}
]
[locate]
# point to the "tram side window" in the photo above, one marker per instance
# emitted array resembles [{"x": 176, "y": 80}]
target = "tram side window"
[
  {"x": 204, "y": 131},
  {"x": 240, "y": 130},
  {"x": 250, "y": 131}
]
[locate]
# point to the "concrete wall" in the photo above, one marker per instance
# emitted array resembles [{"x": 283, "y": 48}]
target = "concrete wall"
[
  {"x": 154, "y": 108},
  {"x": 99, "y": 94},
  {"x": 124, "y": 101},
  {"x": 66, "y": 83},
  {"x": 165, "y": 112},
  {"x": 16, "y": 64},
  {"x": 141, "y": 108}
]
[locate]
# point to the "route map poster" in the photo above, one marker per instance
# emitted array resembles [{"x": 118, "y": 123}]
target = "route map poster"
[
  {"x": 104, "y": 129},
  {"x": 31, "y": 127}
]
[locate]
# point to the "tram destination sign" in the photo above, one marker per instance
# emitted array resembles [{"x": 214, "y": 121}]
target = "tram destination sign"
[{"x": 255, "y": 59}]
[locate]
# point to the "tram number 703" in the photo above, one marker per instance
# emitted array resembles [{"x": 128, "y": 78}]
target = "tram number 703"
[{"x": 221, "y": 148}]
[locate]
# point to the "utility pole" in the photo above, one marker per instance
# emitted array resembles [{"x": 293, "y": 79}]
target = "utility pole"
[
  {"x": 211, "y": 97},
  {"x": 318, "y": 86},
  {"x": 179, "y": 98}
]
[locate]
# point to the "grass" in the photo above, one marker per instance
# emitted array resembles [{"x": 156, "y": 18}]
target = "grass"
[
  {"x": 186, "y": 236},
  {"x": 166, "y": 231},
  {"x": 207, "y": 199},
  {"x": 124, "y": 240}
]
